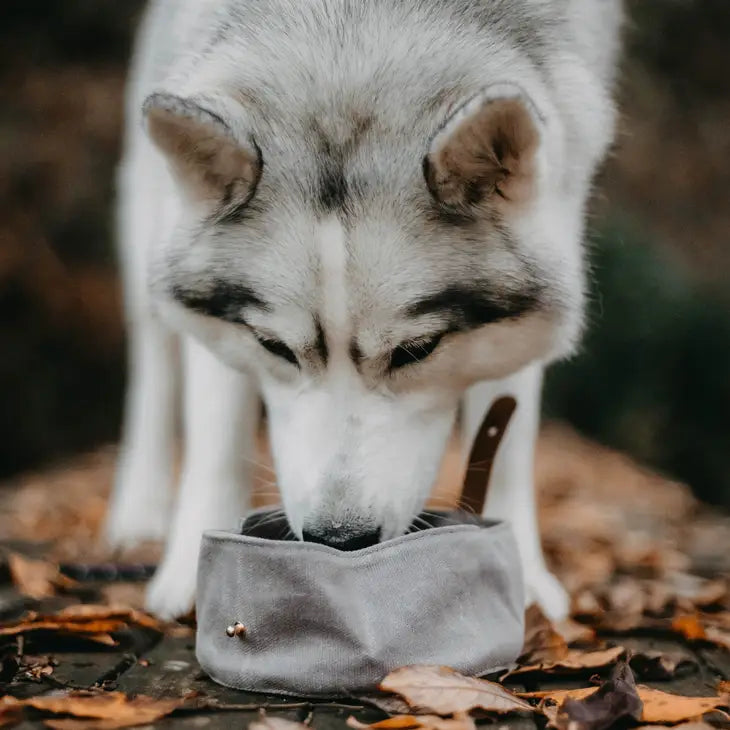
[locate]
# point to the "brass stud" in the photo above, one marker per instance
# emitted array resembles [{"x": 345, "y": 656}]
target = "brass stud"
[{"x": 237, "y": 629}]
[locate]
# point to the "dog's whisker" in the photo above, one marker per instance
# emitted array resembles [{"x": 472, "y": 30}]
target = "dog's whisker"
[{"x": 258, "y": 464}]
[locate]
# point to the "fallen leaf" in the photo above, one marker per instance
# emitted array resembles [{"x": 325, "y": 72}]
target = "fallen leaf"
[
  {"x": 718, "y": 637},
  {"x": 574, "y": 661},
  {"x": 10, "y": 713},
  {"x": 659, "y": 665},
  {"x": 35, "y": 668},
  {"x": 37, "y": 578},
  {"x": 107, "y": 710},
  {"x": 127, "y": 594},
  {"x": 689, "y": 626},
  {"x": 616, "y": 699},
  {"x": 267, "y": 722},
  {"x": 443, "y": 691},
  {"x": 558, "y": 696},
  {"x": 131, "y": 616},
  {"x": 574, "y": 632},
  {"x": 586, "y": 604},
  {"x": 542, "y": 642},
  {"x": 699, "y": 592},
  {"x": 460, "y": 721},
  {"x": 72, "y": 723},
  {"x": 399, "y": 722},
  {"x": 684, "y": 726},
  {"x": 659, "y": 707},
  {"x": 390, "y": 704},
  {"x": 662, "y": 707},
  {"x": 93, "y": 623}
]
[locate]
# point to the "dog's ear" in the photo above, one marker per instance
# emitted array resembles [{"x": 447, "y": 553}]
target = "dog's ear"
[
  {"x": 486, "y": 150},
  {"x": 206, "y": 159}
]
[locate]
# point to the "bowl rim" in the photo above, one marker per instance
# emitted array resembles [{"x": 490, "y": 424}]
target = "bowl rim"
[{"x": 490, "y": 527}]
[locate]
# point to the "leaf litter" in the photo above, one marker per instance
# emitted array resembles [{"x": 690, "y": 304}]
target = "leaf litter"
[
  {"x": 443, "y": 691},
  {"x": 100, "y": 709},
  {"x": 90, "y": 622},
  {"x": 634, "y": 558}
]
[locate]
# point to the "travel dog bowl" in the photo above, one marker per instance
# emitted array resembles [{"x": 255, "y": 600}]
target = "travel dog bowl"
[{"x": 299, "y": 618}]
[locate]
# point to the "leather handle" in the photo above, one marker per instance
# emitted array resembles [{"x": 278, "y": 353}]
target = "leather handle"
[{"x": 481, "y": 458}]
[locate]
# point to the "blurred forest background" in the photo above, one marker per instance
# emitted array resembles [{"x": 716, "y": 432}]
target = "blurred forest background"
[{"x": 654, "y": 376}]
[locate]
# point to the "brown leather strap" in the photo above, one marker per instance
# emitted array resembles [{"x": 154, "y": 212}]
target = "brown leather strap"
[{"x": 481, "y": 459}]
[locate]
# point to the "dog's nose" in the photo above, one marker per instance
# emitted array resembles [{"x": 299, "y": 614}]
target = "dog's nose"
[{"x": 343, "y": 539}]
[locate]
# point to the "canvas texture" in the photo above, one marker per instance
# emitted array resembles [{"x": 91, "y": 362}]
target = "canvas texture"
[{"x": 321, "y": 622}]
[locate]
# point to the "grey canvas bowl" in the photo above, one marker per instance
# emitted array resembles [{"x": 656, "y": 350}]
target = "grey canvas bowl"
[{"x": 321, "y": 622}]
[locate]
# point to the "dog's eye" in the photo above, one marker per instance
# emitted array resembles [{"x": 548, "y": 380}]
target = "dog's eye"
[
  {"x": 408, "y": 353},
  {"x": 278, "y": 348}
]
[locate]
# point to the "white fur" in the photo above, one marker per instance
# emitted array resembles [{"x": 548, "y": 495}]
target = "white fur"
[{"x": 352, "y": 443}]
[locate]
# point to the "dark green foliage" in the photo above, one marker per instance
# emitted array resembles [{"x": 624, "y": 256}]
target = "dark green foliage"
[{"x": 653, "y": 377}]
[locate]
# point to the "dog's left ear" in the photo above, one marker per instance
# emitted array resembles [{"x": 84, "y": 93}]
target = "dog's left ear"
[
  {"x": 211, "y": 165},
  {"x": 486, "y": 151}
]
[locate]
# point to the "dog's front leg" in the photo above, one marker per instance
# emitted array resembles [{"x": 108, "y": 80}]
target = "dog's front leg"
[
  {"x": 221, "y": 410},
  {"x": 511, "y": 494}
]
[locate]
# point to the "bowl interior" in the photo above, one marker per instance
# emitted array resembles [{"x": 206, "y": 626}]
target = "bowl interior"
[{"x": 273, "y": 525}]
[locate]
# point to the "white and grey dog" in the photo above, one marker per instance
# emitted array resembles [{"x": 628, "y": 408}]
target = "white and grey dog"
[{"x": 369, "y": 212}]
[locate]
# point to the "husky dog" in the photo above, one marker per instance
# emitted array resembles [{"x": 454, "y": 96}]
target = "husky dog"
[{"x": 367, "y": 212}]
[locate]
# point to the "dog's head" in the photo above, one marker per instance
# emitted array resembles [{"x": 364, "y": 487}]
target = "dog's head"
[{"x": 367, "y": 271}]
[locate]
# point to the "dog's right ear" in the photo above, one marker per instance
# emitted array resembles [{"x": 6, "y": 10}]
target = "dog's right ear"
[
  {"x": 486, "y": 151},
  {"x": 209, "y": 163}
]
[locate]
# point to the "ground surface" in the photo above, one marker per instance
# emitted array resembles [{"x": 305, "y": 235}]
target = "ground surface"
[{"x": 646, "y": 564}]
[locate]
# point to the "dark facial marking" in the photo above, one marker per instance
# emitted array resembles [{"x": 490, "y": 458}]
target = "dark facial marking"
[
  {"x": 356, "y": 353},
  {"x": 224, "y": 300},
  {"x": 409, "y": 353},
  {"x": 333, "y": 188},
  {"x": 278, "y": 349},
  {"x": 468, "y": 308},
  {"x": 322, "y": 349}
]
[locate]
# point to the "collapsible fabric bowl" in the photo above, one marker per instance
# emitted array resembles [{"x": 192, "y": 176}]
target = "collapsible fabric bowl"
[{"x": 298, "y": 618}]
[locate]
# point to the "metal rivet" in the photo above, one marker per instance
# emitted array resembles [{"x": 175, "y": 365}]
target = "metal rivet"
[
  {"x": 492, "y": 432},
  {"x": 237, "y": 629}
]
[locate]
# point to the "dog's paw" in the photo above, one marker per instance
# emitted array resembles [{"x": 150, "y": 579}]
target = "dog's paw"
[
  {"x": 544, "y": 588},
  {"x": 171, "y": 592}
]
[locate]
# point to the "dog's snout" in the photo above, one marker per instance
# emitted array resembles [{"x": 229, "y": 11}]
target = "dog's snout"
[{"x": 344, "y": 538}]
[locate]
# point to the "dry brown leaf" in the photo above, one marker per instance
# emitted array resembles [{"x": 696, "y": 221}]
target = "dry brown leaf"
[
  {"x": 718, "y": 637},
  {"x": 127, "y": 594},
  {"x": 614, "y": 701},
  {"x": 267, "y": 722},
  {"x": 689, "y": 626},
  {"x": 574, "y": 632},
  {"x": 89, "y": 622},
  {"x": 586, "y": 603},
  {"x": 113, "y": 709},
  {"x": 443, "y": 691},
  {"x": 659, "y": 665},
  {"x": 97, "y": 632},
  {"x": 659, "y": 707},
  {"x": 37, "y": 578},
  {"x": 73, "y": 723},
  {"x": 684, "y": 726},
  {"x": 90, "y": 612},
  {"x": 558, "y": 696},
  {"x": 574, "y": 661},
  {"x": 662, "y": 707},
  {"x": 9, "y": 712},
  {"x": 542, "y": 642},
  {"x": 460, "y": 721}
]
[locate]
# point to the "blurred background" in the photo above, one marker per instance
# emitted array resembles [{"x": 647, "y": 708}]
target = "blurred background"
[{"x": 654, "y": 376}]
